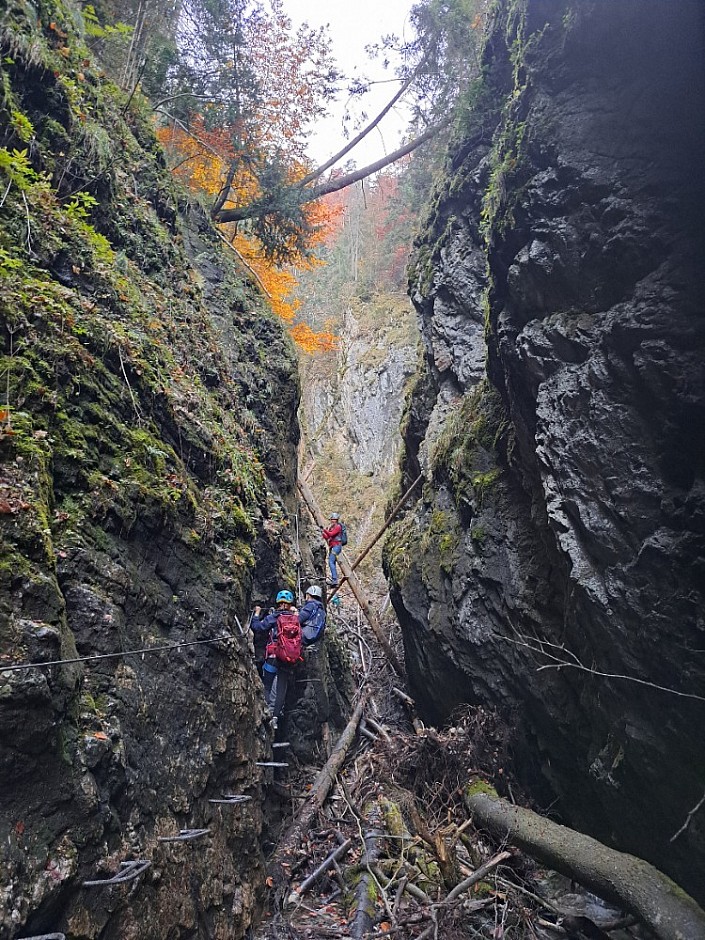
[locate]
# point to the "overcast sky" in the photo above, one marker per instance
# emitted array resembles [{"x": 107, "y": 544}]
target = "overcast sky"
[{"x": 353, "y": 25}]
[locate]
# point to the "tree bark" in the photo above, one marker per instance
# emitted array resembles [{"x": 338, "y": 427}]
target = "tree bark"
[
  {"x": 289, "y": 842},
  {"x": 630, "y": 882},
  {"x": 366, "y": 893},
  {"x": 354, "y": 582}
]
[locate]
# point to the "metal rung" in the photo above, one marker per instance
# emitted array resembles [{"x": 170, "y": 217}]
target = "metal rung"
[
  {"x": 185, "y": 835},
  {"x": 282, "y": 744},
  {"x": 269, "y": 763},
  {"x": 232, "y": 798},
  {"x": 48, "y": 936},
  {"x": 130, "y": 871}
]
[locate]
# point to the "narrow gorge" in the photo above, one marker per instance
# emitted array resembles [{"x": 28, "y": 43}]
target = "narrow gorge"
[{"x": 541, "y": 382}]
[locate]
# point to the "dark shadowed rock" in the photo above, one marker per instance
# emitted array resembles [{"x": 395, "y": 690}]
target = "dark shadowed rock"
[{"x": 563, "y": 527}]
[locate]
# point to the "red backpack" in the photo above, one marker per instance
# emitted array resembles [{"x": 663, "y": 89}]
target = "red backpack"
[{"x": 288, "y": 645}]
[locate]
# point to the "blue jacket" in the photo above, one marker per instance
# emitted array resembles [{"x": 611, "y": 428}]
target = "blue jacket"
[
  {"x": 310, "y": 613},
  {"x": 266, "y": 624}
]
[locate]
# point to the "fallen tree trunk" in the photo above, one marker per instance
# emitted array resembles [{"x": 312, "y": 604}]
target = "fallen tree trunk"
[
  {"x": 367, "y": 891},
  {"x": 630, "y": 882},
  {"x": 387, "y": 522},
  {"x": 354, "y": 582},
  {"x": 289, "y": 842}
]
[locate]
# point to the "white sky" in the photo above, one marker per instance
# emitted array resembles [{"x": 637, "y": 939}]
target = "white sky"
[{"x": 353, "y": 25}]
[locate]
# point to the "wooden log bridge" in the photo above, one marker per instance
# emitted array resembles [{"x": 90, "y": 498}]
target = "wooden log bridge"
[{"x": 353, "y": 581}]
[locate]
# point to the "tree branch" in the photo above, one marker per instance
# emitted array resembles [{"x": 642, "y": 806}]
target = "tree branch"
[
  {"x": 363, "y": 133},
  {"x": 185, "y": 94},
  {"x": 332, "y": 186},
  {"x": 634, "y": 884}
]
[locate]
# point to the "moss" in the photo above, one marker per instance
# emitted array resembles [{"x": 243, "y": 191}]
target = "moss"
[
  {"x": 65, "y": 740},
  {"x": 441, "y": 538},
  {"x": 400, "y": 549},
  {"x": 480, "y": 786},
  {"x": 478, "y": 534},
  {"x": 465, "y": 454},
  {"x": 482, "y": 482},
  {"x": 393, "y": 819},
  {"x": 123, "y": 409}
]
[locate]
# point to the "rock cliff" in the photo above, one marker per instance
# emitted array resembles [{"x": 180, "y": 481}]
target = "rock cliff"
[
  {"x": 147, "y": 442},
  {"x": 352, "y": 407},
  {"x": 555, "y": 564}
]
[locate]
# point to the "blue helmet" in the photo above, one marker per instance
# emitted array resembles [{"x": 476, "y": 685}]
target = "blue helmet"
[{"x": 285, "y": 596}]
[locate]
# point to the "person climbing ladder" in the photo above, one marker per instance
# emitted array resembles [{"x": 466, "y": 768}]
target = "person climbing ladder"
[
  {"x": 312, "y": 616},
  {"x": 335, "y": 536},
  {"x": 284, "y": 649}
]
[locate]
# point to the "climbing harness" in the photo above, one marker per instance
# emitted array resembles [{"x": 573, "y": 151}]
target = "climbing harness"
[{"x": 129, "y": 872}]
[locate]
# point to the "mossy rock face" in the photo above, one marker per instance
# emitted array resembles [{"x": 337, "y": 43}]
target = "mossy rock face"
[
  {"x": 147, "y": 448},
  {"x": 573, "y": 535}
]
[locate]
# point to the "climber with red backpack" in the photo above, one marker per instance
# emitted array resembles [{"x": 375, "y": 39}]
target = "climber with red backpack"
[
  {"x": 284, "y": 649},
  {"x": 336, "y": 535}
]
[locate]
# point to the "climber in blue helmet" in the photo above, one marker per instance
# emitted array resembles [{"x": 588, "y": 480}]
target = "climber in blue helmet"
[{"x": 275, "y": 671}]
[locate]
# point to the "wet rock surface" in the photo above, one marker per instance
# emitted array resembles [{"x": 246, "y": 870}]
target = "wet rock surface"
[
  {"x": 146, "y": 474},
  {"x": 563, "y": 523}
]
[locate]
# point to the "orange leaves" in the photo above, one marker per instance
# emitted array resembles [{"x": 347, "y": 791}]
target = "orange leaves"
[
  {"x": 200, "y": 158},
  {"x": 311, "y": 342},
  {"x": 277, "y": 283}
]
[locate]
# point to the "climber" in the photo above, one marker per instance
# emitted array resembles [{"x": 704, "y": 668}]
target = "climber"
[
  {"x": 312, "y": 616},
  {"x": 334, "y": 538},
  {"x": 284, "y": 648}
]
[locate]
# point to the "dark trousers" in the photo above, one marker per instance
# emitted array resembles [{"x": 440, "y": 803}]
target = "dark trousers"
[{"x": 276, "y": 685}]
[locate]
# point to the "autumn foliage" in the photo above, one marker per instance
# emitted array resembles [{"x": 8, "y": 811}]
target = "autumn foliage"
[
  {"x": 225, "y": 148},
  {"x": 201, "y": 159}
]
